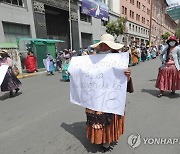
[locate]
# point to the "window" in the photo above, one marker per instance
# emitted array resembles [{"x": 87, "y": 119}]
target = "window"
[
  {"x": 131, "y": 14},
  {"x": 84, "y": 17},
  {"x": 138, "y": 4},
  {"x": 148, "y": 11},
  {"x": 143, "y": 8},
  {"x": 125, "y": 11},
  {"x": 129, "y": 26},
  {"x": 147, "y": 22},
  {"x": 122, "y": 9},
  {"x": 15, "y": 2},
  {"x": 133, "y": 28},
  {"x": 143, "y": 20},
  {"x": 132, "y": 2},
  {"x": 12, "y": 31},
  {"x": 137, "y": 17}
]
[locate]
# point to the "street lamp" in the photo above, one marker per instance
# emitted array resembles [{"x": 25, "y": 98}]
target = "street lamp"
[{"x": 70, "y": 25}]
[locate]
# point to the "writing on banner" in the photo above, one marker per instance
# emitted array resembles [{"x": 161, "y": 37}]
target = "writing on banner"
[
  {"x": 98, "y": 82},
  {"x": 3, "y": 70}
]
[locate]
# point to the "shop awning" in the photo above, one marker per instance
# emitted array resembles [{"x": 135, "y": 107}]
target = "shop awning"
[
  {"x": 40, "y": 40},
  {"x": 8, "y": 46}
]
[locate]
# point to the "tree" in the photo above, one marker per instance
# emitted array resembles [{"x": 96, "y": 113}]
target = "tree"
[
  {"x": 165, "y": 36},
  {"x": 117, "y": 28}
]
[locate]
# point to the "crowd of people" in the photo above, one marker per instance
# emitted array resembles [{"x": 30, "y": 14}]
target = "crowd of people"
[{"x": 106, "y": 128}]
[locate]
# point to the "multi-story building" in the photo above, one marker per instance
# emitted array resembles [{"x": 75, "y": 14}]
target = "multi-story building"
[
  {"x": 161, "y": 22},
  {"x": 138, "y": 20},
  {"x": 174, "y": 11},
  {"x": 91, "y": 28},
  {"x": 52, "y": 21},
  {"x": 16, "y": 20}
]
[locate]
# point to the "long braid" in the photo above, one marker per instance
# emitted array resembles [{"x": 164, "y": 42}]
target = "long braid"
[{"x": 168, "y": 52}]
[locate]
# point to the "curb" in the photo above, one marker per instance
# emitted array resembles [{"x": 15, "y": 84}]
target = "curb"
[{"x": 21, "y": 76}]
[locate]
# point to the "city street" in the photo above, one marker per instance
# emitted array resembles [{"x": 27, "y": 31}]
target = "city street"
[{"x": 41, "y": 119}]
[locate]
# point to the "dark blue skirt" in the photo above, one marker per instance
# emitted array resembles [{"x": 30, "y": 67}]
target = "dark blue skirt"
[{"x": 10, "y": 82}]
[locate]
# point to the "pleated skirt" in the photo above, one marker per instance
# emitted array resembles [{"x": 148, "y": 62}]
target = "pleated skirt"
[
  {"x": 168, "y": 78},
  {"x": 107, "y": 134}
]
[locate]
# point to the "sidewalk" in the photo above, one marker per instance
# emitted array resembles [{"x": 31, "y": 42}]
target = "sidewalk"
[{"x": 25, "y": 75}]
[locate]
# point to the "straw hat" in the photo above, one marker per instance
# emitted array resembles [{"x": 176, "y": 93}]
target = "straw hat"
[
  {"x": 3, "y": 51},
  {"x": 108, "y": 40}
]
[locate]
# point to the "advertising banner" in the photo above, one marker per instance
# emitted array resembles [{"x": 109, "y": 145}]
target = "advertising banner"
[{"x": 95, "y": 8}]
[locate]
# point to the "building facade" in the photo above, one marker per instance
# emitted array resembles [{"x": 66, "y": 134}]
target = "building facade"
[
  {"x": 16, "y": 20},
  {"x": 52, "y": 21},
  {"x": 90, "y": 28},
  {"x": 174, "y": 11},
  {"x": 161, "y": 22},
  {"x": 138, "y": 20}
]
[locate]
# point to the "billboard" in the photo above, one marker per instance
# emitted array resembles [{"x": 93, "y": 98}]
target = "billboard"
[{"x": 95, "y": 8}]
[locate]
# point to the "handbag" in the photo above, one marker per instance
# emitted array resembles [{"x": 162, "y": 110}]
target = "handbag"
[
  {"x": 15, "y": 70},
  {"x": 130, "y": 87}
]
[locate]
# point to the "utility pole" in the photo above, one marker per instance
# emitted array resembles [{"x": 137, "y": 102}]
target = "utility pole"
[
  {"x": 150, "y": 29},
  {"x": 70, "y": 25}
]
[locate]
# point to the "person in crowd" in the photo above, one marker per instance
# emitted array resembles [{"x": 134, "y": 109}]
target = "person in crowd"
[
  {"x": 139, "y": 53},
  {"x": 169, "y": 73},
  {"x": 153, "y": 52},
  {"x": 85, "y": 52},
  {"x": 59, "y": 57},
  {"x": 66, "y": 54},
  {"x": 143, "y": 53},
  {"x": 106, "y": 128},
  {"x": 129, "y": 51},
  {"x": 148, "y": 56},
  {"x": 30, "y": 63},
  {"x": 50, "y": 64},
  {"x": 10, "y": 82},
  {"x": 134, "y": 56}
]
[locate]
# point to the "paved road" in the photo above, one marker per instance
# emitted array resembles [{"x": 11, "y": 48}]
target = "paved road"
[{"x": 41, "y": 120}]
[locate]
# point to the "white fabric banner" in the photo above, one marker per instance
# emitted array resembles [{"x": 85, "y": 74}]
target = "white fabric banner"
[
  {"x": 98, "y": 82},
  {"x": 46, "y": 64},
  {"x": 3, "y": 70}
]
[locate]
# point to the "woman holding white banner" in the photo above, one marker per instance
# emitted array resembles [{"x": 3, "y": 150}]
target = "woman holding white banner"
[
  {"x": 106, "y": 128},
  {"x": 10, "y": 81}
]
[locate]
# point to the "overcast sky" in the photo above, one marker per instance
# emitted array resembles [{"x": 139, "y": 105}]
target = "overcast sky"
[{"x": 173, "y": 1}]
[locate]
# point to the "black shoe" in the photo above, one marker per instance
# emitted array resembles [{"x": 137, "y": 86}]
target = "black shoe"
[
  {"x": 173, "y": 93},
  {"x": 17, "y": 90},
  {"x": 11, "y": 94},
  {"x": 104, "y": 149}
]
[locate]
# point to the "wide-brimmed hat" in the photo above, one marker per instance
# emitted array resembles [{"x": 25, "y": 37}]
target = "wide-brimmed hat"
[
  {"x": 109, "y": 41},
  {"x": 3, "y": 51},
  {"x": 172, "y": 38}
]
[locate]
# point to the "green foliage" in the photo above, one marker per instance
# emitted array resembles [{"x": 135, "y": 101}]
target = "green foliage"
[
  {"x": 117, "y": 28},
  {"x": 165, "y": 36}
]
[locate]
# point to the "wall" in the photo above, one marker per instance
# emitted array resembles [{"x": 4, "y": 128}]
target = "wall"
[{"x": 16, "y": 14}]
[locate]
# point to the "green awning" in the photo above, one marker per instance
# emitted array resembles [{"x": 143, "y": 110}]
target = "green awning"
[
  {"x": 96, "y": 41},
  {"x": 40, "y": 40},
  {"x": 8, "y": 46},
  {"x": 38, "y": 43}
]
